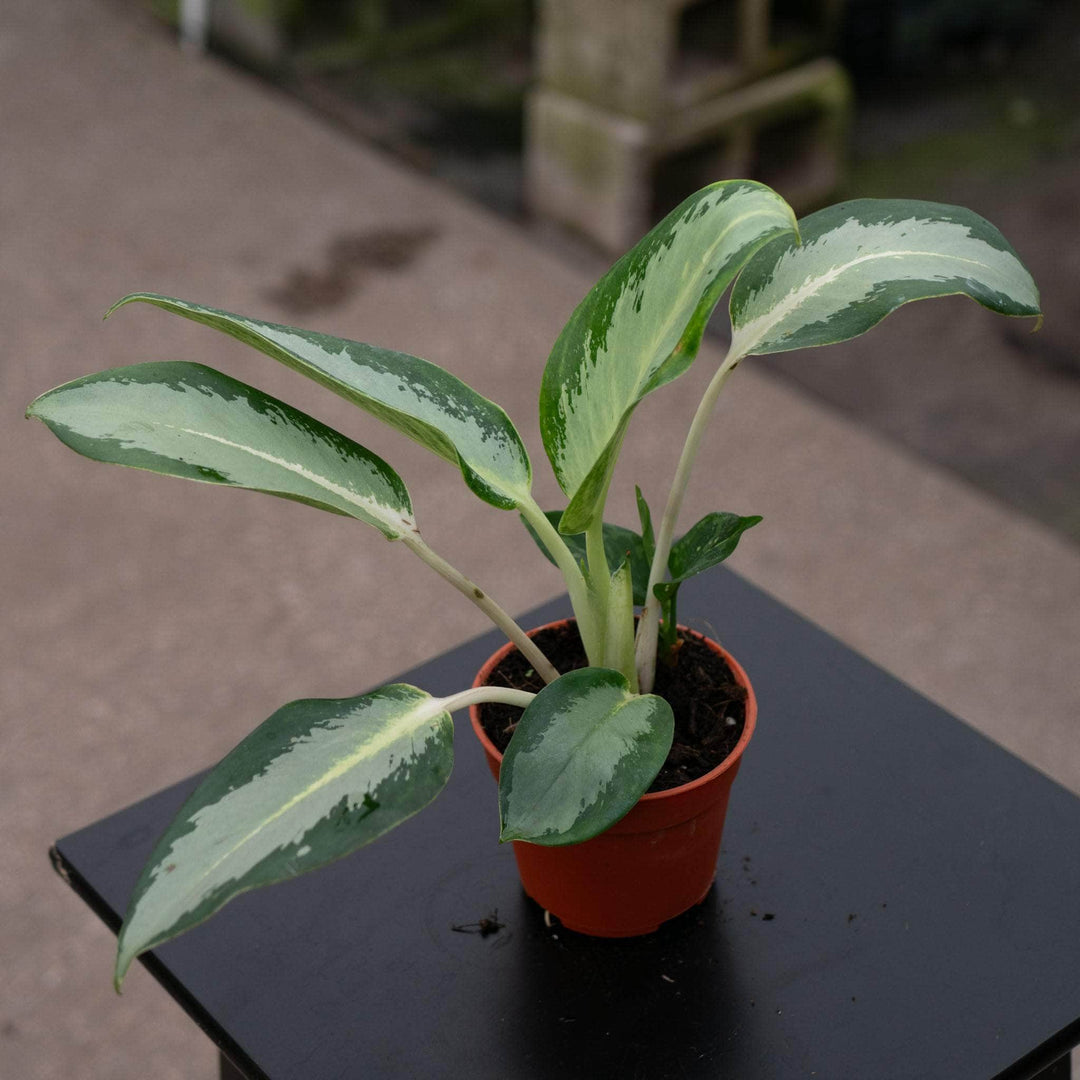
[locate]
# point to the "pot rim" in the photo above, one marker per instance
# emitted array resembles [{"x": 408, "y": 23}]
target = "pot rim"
[{"x": 654, "y": 797}]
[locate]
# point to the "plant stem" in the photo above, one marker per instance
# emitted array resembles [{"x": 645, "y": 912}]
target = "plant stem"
[
  {"x": 502, "y": 695},
  {"x": 648, "y": 626},
  {"x": 619, "y": 634},
  {"x": 599, "y": 583},
  {"x": 415, "y": 543},
  {"x": 581, "y": 597}
]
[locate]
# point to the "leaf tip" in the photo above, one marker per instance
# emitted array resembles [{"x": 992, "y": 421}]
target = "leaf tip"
[
  {"x": 130, "y": 298},
  {"x": 33, "y": 410},
  {"x": 123, "y": 962},
  {"x": 509, "y": 832},
  {"x": 119, "y": 304}
]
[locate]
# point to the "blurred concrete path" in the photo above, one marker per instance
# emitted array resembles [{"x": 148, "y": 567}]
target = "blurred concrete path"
[{"x": 149, "y": 624}]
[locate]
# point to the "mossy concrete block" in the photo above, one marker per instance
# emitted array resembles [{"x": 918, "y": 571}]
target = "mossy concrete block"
[
  {"x": 587, "y": 168},
  {"x": 255, "y": 31},
  {"x": 626, "y": 88},
  {"x": 614, "y": 54},
  {"x": 797, "y": 123},
  {"x": 593, "y": 169}
]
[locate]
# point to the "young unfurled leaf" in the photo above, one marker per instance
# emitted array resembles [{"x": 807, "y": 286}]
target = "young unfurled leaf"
[
  {"x": 583, "y": 753},
  {"x": 619, "y": 631},
  {"x": 708, "y": 542},
  {"x": 859, "y": 261},
  {"x": 648, "y": 540},
  {"x": 317, "y": 780},
  {"x": 641, "y": 326},
  {"x": 192, "y": 421},
  {"x": 620, "y": 545},
  {"x": 412, "y": 395}
]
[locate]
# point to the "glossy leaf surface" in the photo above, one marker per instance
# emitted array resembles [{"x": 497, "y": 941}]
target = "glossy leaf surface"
[
  {"x": 861, "y": 260},
  {"x": 317, "y": 780},
  {"x": 707, "y": 543},
  {"x": 416, "y": 397},
  {"x": 620, "y": 544},
  {"x": 641, "y": 326},
  {"x": 583, "y": 753},
  {"x": 192, "y": 421}
]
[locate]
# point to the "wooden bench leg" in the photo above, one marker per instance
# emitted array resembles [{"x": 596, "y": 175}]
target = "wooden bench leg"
[
  {"x": 1060, "y": 1070},
  {"x": 228, "y": 1071}
]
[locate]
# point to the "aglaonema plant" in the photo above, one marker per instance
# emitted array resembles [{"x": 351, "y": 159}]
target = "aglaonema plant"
[{"x": 321, "y": 778}]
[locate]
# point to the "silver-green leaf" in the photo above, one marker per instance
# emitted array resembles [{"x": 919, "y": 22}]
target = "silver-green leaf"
[
  {"x": 191, "y": 421},
  {"x": 416, "y": 397},
  {"x": 583, "y": 753},
  {"x": 314, "y": 782},
  {"x": 859, "y": 261},
  {"x": 641, "y": 326}
]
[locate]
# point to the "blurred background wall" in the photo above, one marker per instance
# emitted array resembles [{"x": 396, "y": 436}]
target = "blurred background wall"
[{"x": 591, "y": 118}]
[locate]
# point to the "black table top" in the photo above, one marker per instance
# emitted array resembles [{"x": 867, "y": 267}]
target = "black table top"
[{"x": 897, "y": 898}]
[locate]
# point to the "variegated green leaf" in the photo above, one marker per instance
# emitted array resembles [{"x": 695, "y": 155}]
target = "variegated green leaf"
[
  {"x": 583, "y": 753},
  {"x": 861, "y": 260},
  {"x": 620, "y": 544},
  {"x": 192, "y": 421},
  {"x": 648, "y": 539},
  {"x": 707, "y": 543},
  {"x": 317, "y": 780},
  {"x": 412, "y": 395},
  {"x": 641, "y": 326}
]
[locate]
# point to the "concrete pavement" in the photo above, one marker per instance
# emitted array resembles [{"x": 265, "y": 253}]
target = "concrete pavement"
[{"x": 149, "y": 624}]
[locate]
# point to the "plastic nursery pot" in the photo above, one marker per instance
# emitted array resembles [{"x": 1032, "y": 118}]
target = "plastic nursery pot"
[{"x": 654, "y": 864}]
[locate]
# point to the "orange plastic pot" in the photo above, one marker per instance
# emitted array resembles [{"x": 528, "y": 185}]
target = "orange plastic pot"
[{"x": 654, "y": 864}]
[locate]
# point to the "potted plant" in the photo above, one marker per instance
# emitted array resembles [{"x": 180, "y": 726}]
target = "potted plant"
[{"x": 320, "y": 778}]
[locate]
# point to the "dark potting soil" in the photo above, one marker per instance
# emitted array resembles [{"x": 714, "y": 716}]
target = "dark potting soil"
[{"x": 709, "y": 705}]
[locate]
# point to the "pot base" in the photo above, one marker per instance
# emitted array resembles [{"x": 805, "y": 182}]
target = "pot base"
[{"x": 604, "y": 931}]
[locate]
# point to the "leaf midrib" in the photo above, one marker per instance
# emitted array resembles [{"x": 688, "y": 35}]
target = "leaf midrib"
[
  {"x": 586, "y": 737},
  {"x": 299, "y": 470},
  {"x": 813, "y": 285},
  {"x": 665, "y": 326},
  {"x": 368, "y": 749}
]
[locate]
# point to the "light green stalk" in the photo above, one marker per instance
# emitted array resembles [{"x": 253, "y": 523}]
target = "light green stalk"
[
  {"x": 649, "y": 624},
  {"x": 619, "y": 632},
  {"x": 477, "y": 695},
  {"x": 547, "y": 671},
  {"x": 582, "y": 598},
  {"x": 599, "y": 587}
]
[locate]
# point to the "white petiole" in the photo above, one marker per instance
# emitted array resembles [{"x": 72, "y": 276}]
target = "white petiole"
[
  {"x": 547, "y": 671},
  {"x": 649, "y": 624},
  {"x": 478, "y": 695}
]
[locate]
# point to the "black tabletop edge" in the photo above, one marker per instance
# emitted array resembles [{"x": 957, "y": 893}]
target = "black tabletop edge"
[
  {"x": 1034, "y": 1065},
  {"x": 173, "y": 987},
  {"x": 1029, "y": 1067}
]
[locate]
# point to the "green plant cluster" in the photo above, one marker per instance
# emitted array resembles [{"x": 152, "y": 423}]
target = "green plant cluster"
[{"x": 321, "y": 778}]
